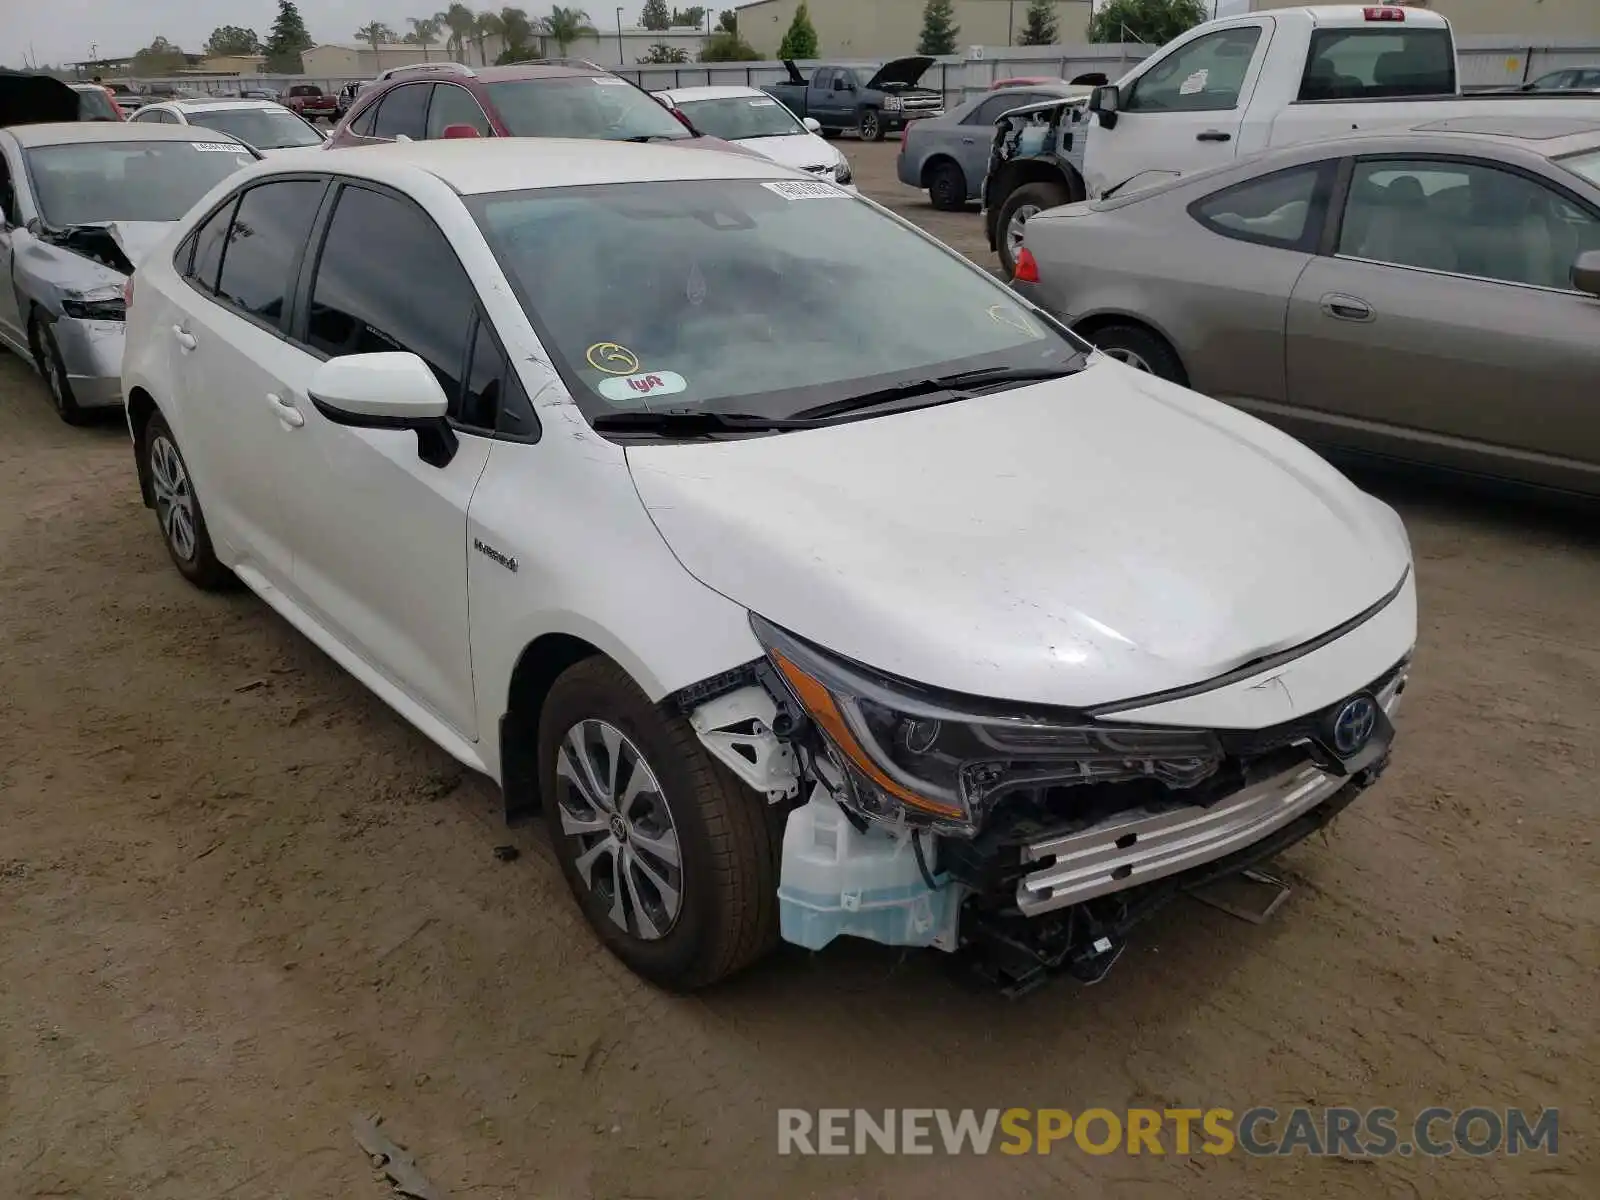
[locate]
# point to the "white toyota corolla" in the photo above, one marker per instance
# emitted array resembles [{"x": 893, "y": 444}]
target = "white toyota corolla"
[{"x": 813, "y": 582}]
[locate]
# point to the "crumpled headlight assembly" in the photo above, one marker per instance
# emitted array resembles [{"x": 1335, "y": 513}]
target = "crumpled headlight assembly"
[
  {"x": 841, "y": 171},
  {"x": 912, "y": 755}
]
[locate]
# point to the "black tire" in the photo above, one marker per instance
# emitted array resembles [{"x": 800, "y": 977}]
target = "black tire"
[
  {"x": 192, "y": 553},
  {"x": 47, "y": 356},
  {"x": 727, "y": 837},
  {"x": 870, "y": 127},
  {"x": 1037, "y": 196},
  {"x": 947, "y": 187},
  {"x": 1141, "y": 348}
]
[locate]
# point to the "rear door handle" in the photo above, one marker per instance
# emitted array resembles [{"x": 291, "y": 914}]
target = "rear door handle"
[
  {"x": 1213, "y": 135},
  {"x": 288, "y": 414},
  {"x": 1346, "y": 308},
  {"x": 185, "y": 339}
]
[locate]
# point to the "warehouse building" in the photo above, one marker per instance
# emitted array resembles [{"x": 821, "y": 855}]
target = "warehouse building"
[{"x": 876, "y": 29}]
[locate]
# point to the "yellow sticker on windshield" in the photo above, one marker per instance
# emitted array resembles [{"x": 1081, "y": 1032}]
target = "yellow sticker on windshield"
[{"x": 612, "y": 359}]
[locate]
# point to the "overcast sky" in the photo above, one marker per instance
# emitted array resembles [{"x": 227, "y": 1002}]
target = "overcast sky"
[{"x": 54, "y": 31}]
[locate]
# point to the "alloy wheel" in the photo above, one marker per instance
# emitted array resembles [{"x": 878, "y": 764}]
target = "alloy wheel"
[
  {"x": 869, "y": 127},
  {"x": 1136, "y": 361},
  {"x": 174, "y": 497},
  {"x": 1014, "y": 227},
  {"x": 627, "y": 844}
]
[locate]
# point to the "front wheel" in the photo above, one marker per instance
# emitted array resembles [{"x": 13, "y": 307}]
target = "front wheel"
[
  {"x": 673, "y": 861},
  {"x": 48, "y": 357},
  {"x": 871, "y": 127},
  {"x": 1020, "y": 207}
]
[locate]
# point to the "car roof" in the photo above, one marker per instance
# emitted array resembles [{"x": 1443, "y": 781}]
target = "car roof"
[
  {"x": 66, "y": 133},
  {"x": 726, "y": 91},
  {"x": 472, "y": 166},
  {"x": 220, "y": 105}
]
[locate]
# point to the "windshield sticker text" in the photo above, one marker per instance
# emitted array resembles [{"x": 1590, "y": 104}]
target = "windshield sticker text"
[
  {"x": 804, "y": 190},
  {"x": 639, "y": 387},
  {"x": 612, "y": 359},
  {"x": 763, "y": 104},
  {"x": 609, "y": 81},
  {"x": 218, "y": 147}
]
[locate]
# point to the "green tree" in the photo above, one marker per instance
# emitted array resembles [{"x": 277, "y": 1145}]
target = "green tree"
[
  {"x": 663, "y": 53},
  {"x": 1154, "y": 22},
  {"x": 233, "y": 39},
  {"x": 939, "y": 28},
  {"x": 375, "y": 34},
  {"x": 723, "y": 46},
  {"x": 424, "y": 33},
  {"x": 1039, "y": 25},
  {"x": 655, "y": 15},
  {"x": 519, "y": 34},
  {"x": 460, "y": 21},
  {"x": 685, "y": 17},
  {"x": 287, "y": 41},
  {"x": 160, "y": 57},
  {"x": 728, "y": 22},
  {"x": 567, "y": 25},
  {"x": 800, "y": 39}
]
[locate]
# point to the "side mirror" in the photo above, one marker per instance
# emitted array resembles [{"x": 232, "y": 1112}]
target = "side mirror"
[
  {"x": 389, "y": 390},
  {"x": 1106, "y": 101},
  {"x": 402, "y": 137},
  {"x": 1586, "y": 272},
  {"x": 812, "y": 125},
  {"x": 461, "y": 131}
]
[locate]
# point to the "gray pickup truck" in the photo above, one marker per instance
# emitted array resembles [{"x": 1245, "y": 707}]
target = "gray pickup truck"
[{"x": 870, "y": 98}]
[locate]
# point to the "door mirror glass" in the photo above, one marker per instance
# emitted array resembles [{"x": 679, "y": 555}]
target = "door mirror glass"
[
  {"x": 385, "y": 390},
  {"x": 1105, "y": 99},
  {"x": 1586, "y": 272}
]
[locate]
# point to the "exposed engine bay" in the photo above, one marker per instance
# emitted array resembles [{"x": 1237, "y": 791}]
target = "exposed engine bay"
[
  {"x": 97, "y": 243},
  {"x": 1069, "y": 851}
]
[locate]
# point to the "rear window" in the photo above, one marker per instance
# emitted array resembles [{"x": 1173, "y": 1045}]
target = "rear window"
[
  {"x": 94, "y": 104},
  {"x": 1374, "y": 64},
  {"x": 1585, "y": 164},
  {"x": 263, "y": 128},
  {"x": 597, "y": 106}
]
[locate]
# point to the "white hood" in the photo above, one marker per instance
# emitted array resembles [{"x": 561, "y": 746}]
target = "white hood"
[
  {"x": 137, "y": 238},
  {"x": 800, "y": 150},
  {"x": 1070, "y": 543}
]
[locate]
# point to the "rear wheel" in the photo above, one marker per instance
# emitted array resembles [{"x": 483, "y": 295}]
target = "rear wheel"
[
  {"x": 673, "y": 861},
  {"x": 183, "y": 524},
  {"x": 1140, "y": 348},
  {"x": 947, "y": 187},
  {"x": 871, "y": 127},
  {"x": 1020, "y": 207}
]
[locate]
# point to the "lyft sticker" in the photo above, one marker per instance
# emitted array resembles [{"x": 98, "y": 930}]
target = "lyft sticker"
[{"x": 637, "y": 389}]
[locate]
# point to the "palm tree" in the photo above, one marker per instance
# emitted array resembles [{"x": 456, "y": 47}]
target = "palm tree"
[
  {"x": 567, "y": 25},
  {"x": 517, "y": 31},
  {"x": 484, "y": 27},
  {"x": 461, "y": 22},
  {"x": 375, "y": 34},
  {"x": 425, "y": 32}
]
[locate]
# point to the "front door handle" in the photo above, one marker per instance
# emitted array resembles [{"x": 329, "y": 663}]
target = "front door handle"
[
  {"x": 290, "y": 416},
  {"x": 1346, "y": 308},
  {"x": 185, "y": 339},
  {"x": 1213, "y": 135},
  {"x": 966, "y": 141}
]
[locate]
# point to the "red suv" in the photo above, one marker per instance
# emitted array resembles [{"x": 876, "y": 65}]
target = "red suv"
[{"x": 543, "y": 99}]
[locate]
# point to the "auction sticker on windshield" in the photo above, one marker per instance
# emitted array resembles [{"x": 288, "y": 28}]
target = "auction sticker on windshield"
[
  {"x": 801, "y": 189},
  {"x": 621, "y": 390},
  {"x": 219, "y": 147},
  {"x": 608, "y": 81}
]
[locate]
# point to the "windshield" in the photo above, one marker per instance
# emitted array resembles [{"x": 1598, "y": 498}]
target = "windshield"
[
  {"x": 91, "y": 182},
  {"x": 736, "y": 117},
  {"x": 1585, "y": 163},
  {"x": 263, "y": 128},
  {"x": 748, "y": 297},
  {"x": 598, "y": 106},
  {"x": 94, "y": 104}
]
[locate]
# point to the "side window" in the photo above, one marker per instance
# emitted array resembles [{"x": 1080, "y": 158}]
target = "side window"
[
  {"x": 388, "y": 280},
  {"x": 1206, "y": 75},
  {"x": 1285, "y": 209},
  {"x": 403, "y": 111},
  {"x": 1468, "y": 218},
  {"x": 454, "y": 105},
  {"x": 273, "y": 221},
  {"x": 362, "y": 123},
  {"x": 8, "y": 194},
  {"x": 208, "y": 243},
  {"x": 493, "y": 398},
  {"x": 989, "y": 111}
]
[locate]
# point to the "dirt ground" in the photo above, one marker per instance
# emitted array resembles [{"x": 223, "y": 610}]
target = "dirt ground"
[{"x": 241, "y": 900}]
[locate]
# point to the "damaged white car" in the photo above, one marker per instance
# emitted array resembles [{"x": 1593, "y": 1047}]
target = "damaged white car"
[
  {"x": 80, "y": 202},
  {"x": 811, "y": 581}
]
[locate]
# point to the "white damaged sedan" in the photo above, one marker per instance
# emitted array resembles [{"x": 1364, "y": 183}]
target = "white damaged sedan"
[{"x": 798, "y": 612}]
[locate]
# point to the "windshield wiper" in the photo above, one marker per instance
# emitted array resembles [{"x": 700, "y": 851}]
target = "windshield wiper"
[
  {"x": 689, "y": 422},
  {"x": 961, "y": 385},
  {"x": 641, "y": 138}
]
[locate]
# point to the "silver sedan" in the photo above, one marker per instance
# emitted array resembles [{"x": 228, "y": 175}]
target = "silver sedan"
[
  {"x": 82, "y": 203},
  {"x": 1431, "y": 296}
]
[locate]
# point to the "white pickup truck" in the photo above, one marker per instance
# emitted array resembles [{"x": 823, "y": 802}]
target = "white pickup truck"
[{"x": 1233, "y": 87}]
